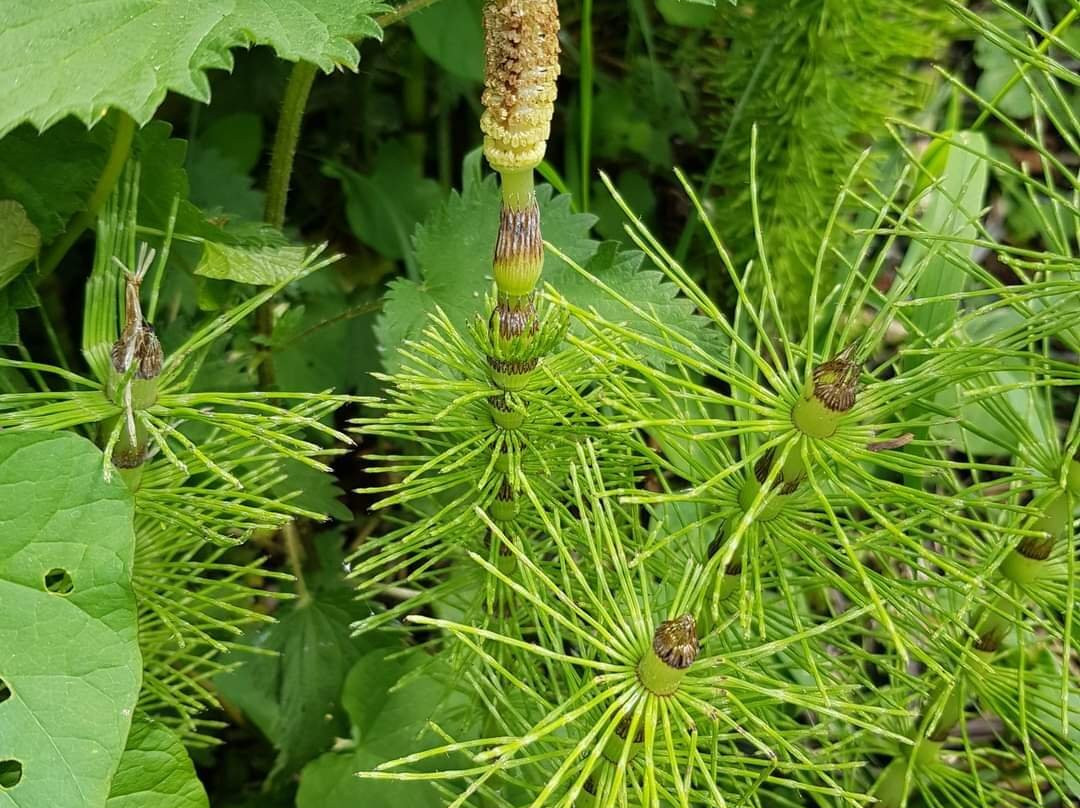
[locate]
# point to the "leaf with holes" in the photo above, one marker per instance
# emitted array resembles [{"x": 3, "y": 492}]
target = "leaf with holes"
[
  {"x": 128, "y": 54},
  {"x": 155, "y": 771},
  {"x": 69, "y": 655}
]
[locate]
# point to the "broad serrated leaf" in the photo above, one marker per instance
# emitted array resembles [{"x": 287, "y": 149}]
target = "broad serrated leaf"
[
  {"x": 454, "y": 249},
  {"x": 621, "y": 271},
  {"x": 263, "y": 266},
  {"x": 19, "y": 240},
  {"x": 69, "y": 652},
  {"x": 155, "y": 771},
  {"x": 293, "y": 694},
  {"x": 59, "y": 58},
  {"x": 310, "y": 488},
  {"x": 220, "y": 188},
  {"x": 52, "y": 174},
  {"x": 307, "y": 345}
]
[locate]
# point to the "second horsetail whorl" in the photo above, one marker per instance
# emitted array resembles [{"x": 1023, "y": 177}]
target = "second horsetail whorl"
[{"x": 521, "y": 65}]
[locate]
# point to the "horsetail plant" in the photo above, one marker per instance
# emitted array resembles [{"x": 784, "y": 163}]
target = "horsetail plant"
[
  {"x": 792, "y": 570},
  {"x": 204, "y": 467},
  {"x": 641, "y": 708}
]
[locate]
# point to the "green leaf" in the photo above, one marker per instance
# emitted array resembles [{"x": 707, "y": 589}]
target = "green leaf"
[
  {"x": 687, "y": 13},
  {"x": 19, "y": 294},
  {"x": 953, "y": 207},
  {"x": 263, "y": 266},
  {"x": 331, "y": 782},
  {"x": 384, "y": 207},
  {"x": 164, "y": 179},
  {"x": 71, "y": 661},
  {"x": 385, "y": 716},
  {"x": 237, "y": 137},
  {"x": 454, "y": 249},
  {"x": 451, "y": 34},
  {"x": 621, "y": 271},
  {"x": 221, "y": 189},
  {"x": 1020, "y": 405},
  {"x": 128, "y": 54},
  {"x": 293, "y": 694},
  {"x": 19, "y": 240},
  {"x": 155, "y": 771},
  {"x": 9, "y": 320},
  {"x": 307, "y": 345},
  {"x": 389, "y": 705},
  {"x": 52, "y": 174}
]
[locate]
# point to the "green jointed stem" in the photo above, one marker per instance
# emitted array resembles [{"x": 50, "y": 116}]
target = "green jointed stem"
[
  {"x": 813, "y": 418},
  {"x": 657, "y": 676},
  {"x": 518, "y": 188}
]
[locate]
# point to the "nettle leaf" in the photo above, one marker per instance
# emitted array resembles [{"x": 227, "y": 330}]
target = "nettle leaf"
[
  {"x": 234, "y": 249},
  {"x": 221, "y": 188},
  {"x": 155, "y": 771},
  {"x": 163, "y": 179},
  {"x": 390, "y": 696},
  {"x": 128, "y": 54},
  {"x": 307, "y": 344},
  {"x": 52, "y": 174},
  {"x": 69, "y": 654},
  {"x": 454, "y": 250},
  {"x": 312, "y": 489},
  {"x": 620, "y": 270},
  {"x": 293, "y": 694},
  {"x": 19, "y": 240}
]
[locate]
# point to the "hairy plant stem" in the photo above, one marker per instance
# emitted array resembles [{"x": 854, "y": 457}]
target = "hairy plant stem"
[{"x": 110, "y": 174}]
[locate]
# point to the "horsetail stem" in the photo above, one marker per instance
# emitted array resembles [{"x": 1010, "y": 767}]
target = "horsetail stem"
[
  {"x": 830, "y": 392},
  {"x": 1024, "y": 564},
  {"x": 505, "y": 507},
  {"x": 674, "y": 649},
  {"x": 788, "y": 479}
]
